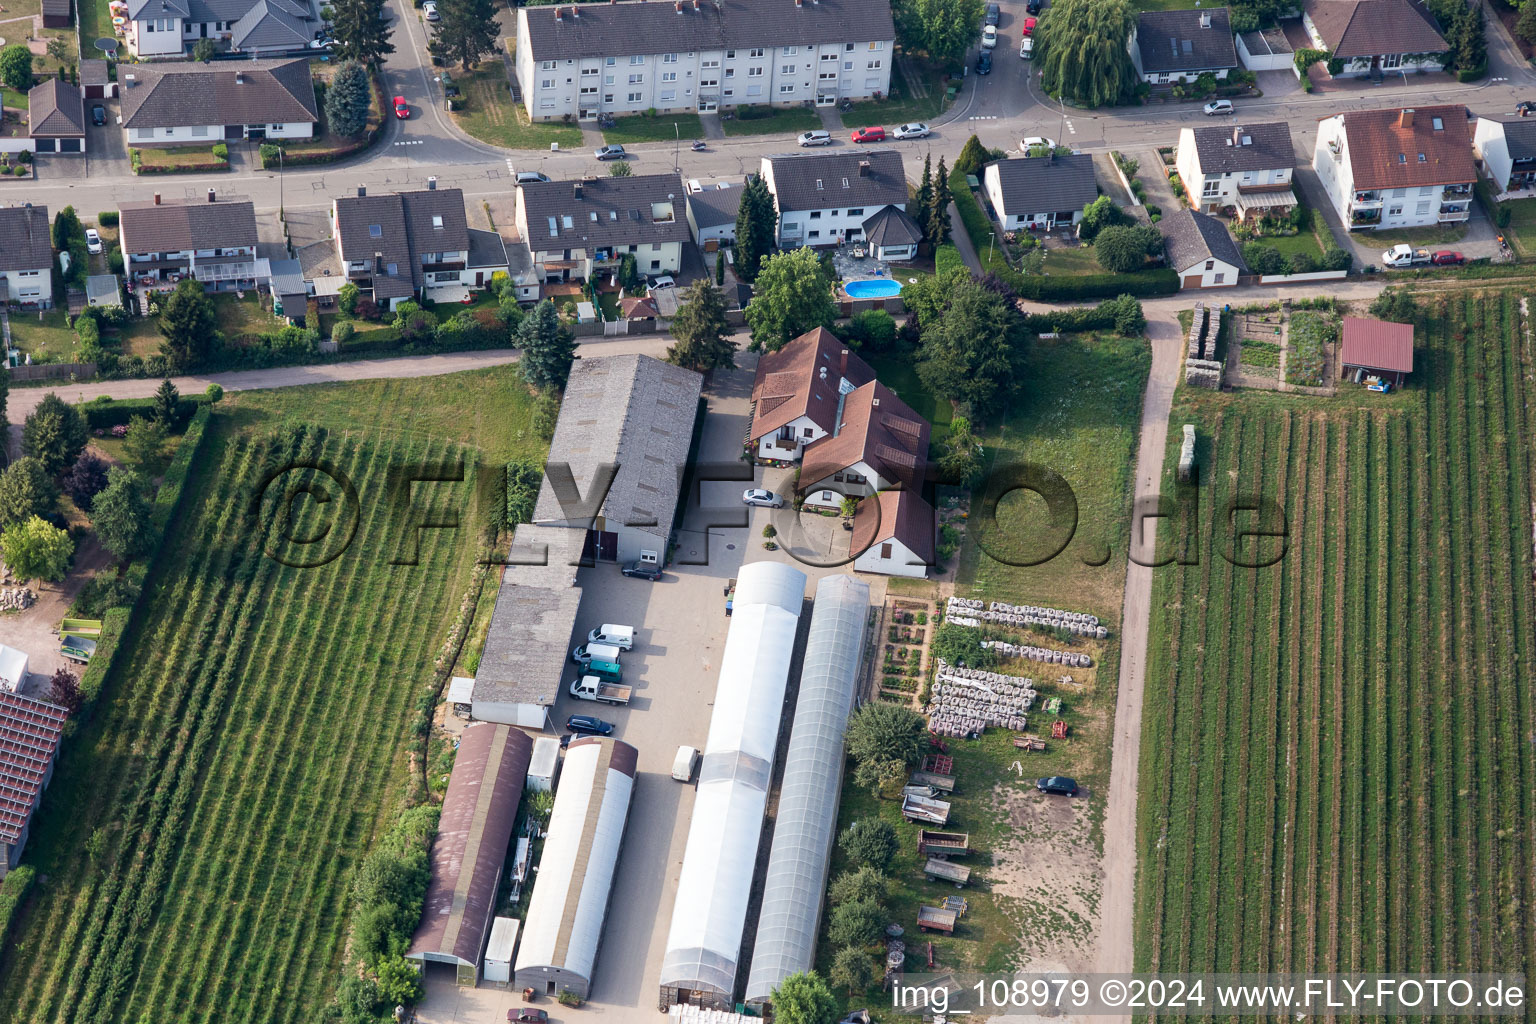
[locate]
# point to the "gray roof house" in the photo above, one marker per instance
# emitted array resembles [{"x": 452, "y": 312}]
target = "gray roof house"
[
  {"x": 26, "y": 256},
  {"x": 213, "y": 241},
  {"x": 892, "y": 235},
  {"x": 1243, "y": 167},
  {"x": 634, "y": 413},
  {"x": 1175, "y": 46},
  {"x": 712, "y": 213},
  {"x": 1040, "y": 192},
  {"x": 575, "y": 229},
  {"x": 171, "y": 103},
  {"x": 824, "y": 197},
  {"x": 1376, "y": 36},
  {"x": 56, "y": 117},
  {"x": 401, "y": 243},
  {"x": 1200, "y": 250},
  {"x": 255, "y": 27}
]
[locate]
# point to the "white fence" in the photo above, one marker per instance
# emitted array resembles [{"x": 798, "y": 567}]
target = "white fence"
[{"x": 1316, "y": 275}]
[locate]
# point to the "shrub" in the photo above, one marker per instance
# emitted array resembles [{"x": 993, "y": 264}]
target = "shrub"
[
  {"x": 1301, "y": 263},
  {"x": 1122, "y": 250},
  {"x": 1263, "y": 259},
  {"x": 945, "y": 258},
  {"x": 342, "y": 332},
  {"x": 105, "y": 413},
  {"x": 1338, "y": 259},
  {"x": 220, "y": 151},
  {"x": 107, "y": 218}
]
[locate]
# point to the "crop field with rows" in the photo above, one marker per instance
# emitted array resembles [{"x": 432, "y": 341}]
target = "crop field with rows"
[
  {"x": 205, "y": 824},
  {"x": 1338, "y": 770}
]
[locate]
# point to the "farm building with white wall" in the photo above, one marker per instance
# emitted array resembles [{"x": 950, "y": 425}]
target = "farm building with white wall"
[
  {"x": 479, "y": 812},
  {"x": 581, "y": 853},
  {"x": 625, "y": 428},
  {"x": 806, "y": 821},
  {"x": 710, "y": 913}
]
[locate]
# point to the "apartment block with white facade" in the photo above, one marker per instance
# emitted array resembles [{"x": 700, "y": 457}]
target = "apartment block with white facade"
[
  {"x": 576, "y": 61},
  {"x": 1404, "y": 168},
  {"x": 826, "y": 198},
  {"x": 1245, "y": 169}
]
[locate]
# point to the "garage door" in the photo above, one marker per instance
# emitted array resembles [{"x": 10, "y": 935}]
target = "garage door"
[
  {"x": 71, "y": 145},
  {"x": 46, "y": 145},
  {"x": 602, "y": 545},
  {"x": 1192, "y": 281}
]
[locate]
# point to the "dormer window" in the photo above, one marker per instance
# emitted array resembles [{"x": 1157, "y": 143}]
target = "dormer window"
[
  {"x": 1421, "y": 158},
  {"x": 1402, "y": 158}
]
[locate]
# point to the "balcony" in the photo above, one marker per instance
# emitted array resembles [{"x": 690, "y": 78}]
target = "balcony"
[
  {"x": 1453, "y": 214},
  {"x": 1365, "y": 218},
  {"x": 1367, "y": 199}
]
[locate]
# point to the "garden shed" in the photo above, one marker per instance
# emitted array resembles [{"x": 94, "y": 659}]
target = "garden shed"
[{"x": 1377, "y": 347}]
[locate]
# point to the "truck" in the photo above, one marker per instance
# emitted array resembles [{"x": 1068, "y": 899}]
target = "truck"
[
  {"x": 593, "y": 688},
  {"x": 1405, "y": 256}
]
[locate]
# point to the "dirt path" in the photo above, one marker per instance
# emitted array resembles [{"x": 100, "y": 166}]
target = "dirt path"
[{"x": 1117, "y": 914}]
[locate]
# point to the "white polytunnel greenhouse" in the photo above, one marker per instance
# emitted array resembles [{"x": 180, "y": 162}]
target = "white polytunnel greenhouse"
[
  {"x": 806, "y": 822},
  {"x": 570, "y": 899},
  {"x": 709, "y": 917}
]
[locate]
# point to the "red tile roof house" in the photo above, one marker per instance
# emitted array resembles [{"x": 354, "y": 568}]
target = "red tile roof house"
[
  {"x": 894, "y": 534},
  {"x": 797, "y": 393},
  {"x": 1377, "y": 347},
  {"x": 877, "y": 444}
]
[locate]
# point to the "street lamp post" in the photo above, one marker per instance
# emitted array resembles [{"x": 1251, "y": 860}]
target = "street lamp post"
[
  {"x": 990, "y": 236},
  {"x": 677, "y": 140}
]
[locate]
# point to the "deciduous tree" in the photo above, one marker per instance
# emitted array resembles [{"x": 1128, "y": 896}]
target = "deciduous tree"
[
  {"x": 16, "y": 67},
  {"x": 1122, "y": 249},
  {"x": 55, "y": 434},
  {"x": 1080, "y": 50},
  {"x": 803, "y": 998},
  {"x": 852, "y": 969},
  {"x": 64, "y": 690},
  {"x": 145, "y": 443},
  {"x": 793, "y": 296},
  {"x": 863, "y": 883},
  {"x": 943, "y": 29},
  {"x": 37, "y": 549},
  {"x": 970, "y": 350},
  {"x": 120, "y": 514},
  {"x": 347, "y": 102},
  {"x": 869, "y": 841},
  {"x": 85, "y": 479},
  {"x": 884, "y": 731},
  {"x": 701, "y": 330},
  {"x": 26, "y": 490}
]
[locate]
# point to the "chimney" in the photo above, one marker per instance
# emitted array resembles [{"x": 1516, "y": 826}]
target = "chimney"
[
  {"x": 574, "y": 12},
  {"x": 128, "y": 80},
  {"x": 695, "y": 5},
  {"x": 576, "y": 190},
  {"x": 157, "y": 198},
  {"x": 362, "y": 190},
  {"x": 239, "y": 77},
  {"x": 432, "y": 183},
  {"x": 677, "y": 5},
  {"x": 210, "y": 195},
  {"x": 874, "y": 403},
  {"x": 558, "y": 15},
  {"x": 1205, "y": 19},
  {"x": 1405, "y": 119},
  {"x": 863, "y": 164},
  {"x": 1237, "y": 135}
]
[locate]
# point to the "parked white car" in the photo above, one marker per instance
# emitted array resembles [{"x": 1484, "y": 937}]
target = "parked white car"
[
  {"x": 620, "y": 636},
  {"x": 1031, "y": 141},
  {"x": 1027, "y": 48},
  {"x": 915, "y": 130},
  {"x": 989, "y": 37},
  {"x": 429, "y": 11},
  {"x": 92, "y": 241},
  {"x": 764, "y": 499}
]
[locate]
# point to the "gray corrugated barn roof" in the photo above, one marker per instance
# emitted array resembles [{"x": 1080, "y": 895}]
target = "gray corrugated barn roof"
[
  {"x": 526, "y": 649},
  {"x": 175, "y": 94},
  {"x": 1045, "y": 184},
  {"x": 479, "y": 812},
  {"x": 635, "y": 412},
  {"x": 56, "y": 110},
  {"x": 1181, "y": 41},
  {"x": 602, "y": 212},
  {"x": 832, "y": 181},
  {"x": 1246, "y": 147},
  {"x": 1191, "y": 238},
  {"x": 593, "y": 30},
  {"x": 25, "y": 242},
  {"x": 173, "y": 227}
]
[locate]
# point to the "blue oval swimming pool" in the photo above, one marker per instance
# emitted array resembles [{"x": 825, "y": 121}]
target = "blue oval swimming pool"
[{"x": 872, "y": 288}]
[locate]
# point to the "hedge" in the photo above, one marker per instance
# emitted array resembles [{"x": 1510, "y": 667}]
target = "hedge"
[
  {"x": 107, "y": 218},
  {"x": 945, "y": 259},
  {"x": 1091, "y": 286},
  {"x": 115, "y": 622},
  {"x": 13, "y": 893},
  {"x": 105, "y": 413}
]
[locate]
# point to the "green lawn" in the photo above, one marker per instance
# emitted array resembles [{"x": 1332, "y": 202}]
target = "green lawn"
[
  {"x": 640, "y": 128},
  {"x": 46, "y": 336},
  {"x": 491, "y": 115},
  {"x": 95, "y": 23},
  {"x": 1438, "y": 235},
  {"x": 225, "y": 796},
  {"x": 1327, "y": 782},
  {"x": 197, "y": 158},
  {"x": 1075, "y": 414},
  {"x": 1077, "y": 259},
  {"x": 788, "y": 120},
  {"x": 1522, "y": 223},
  {"x": 242, "y": 318},
  {"x": 901, "y": 106},
  {"x": 1302, "y": 241}
]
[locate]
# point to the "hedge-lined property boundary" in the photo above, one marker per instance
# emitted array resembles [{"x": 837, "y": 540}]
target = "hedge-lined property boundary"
[
  {"x": 13, "y": 893},
  {"x": 104, "y": 413}
]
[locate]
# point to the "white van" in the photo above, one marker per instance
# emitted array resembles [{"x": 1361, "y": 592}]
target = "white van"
[
  {"x": 612, "y": 633},
  {"x": 600, "y": 652},
  {"x": 682, "y": 764}
]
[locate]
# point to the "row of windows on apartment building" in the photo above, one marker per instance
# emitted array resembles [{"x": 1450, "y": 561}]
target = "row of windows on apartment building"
[
  {"x": 705, "y": 81},
  {"x": 670, "y": 95},
  {"x": 671, "y": 58},
  {"x": 169, "y": 25}
]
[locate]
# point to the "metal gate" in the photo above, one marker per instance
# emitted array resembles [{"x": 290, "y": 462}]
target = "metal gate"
[{"x": 612, "y": 327}]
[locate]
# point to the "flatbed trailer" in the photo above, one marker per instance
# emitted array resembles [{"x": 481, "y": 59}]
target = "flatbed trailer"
[
  {"x": 933, "y": 780},
  {"x": 924, "y": 809},
  {"x": 937, "y": 869},
  {"x": 936, "y": 919},
  {"x": 943, "y": 844}
]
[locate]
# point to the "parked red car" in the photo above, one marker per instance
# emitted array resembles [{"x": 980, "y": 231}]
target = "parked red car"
[
  {"x": 876, "y": 134},
  {"x": 402, "y": 110},
  {"x": 1029, "y": 26},
  {"x": 1448, "y": 258}
]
